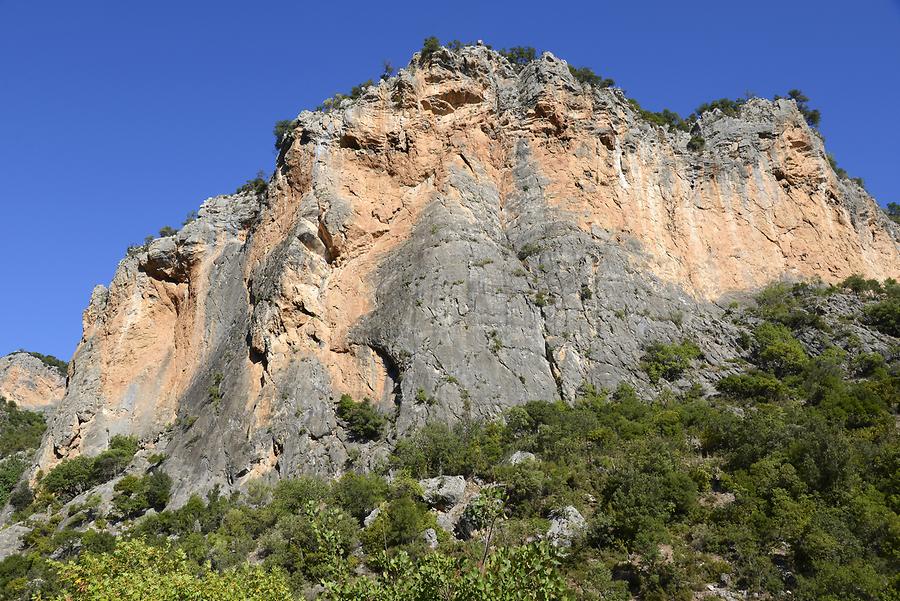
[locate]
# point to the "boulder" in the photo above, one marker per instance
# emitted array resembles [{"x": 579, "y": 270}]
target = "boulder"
[
  {"x": 521, "y": 457},
  {"x": 444, "y": 491},
  {"x": 565, "y": 525}
]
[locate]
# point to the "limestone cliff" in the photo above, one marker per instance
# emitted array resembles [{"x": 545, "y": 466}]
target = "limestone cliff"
[
  {"x": 463, "y": 237},
  {"x": 30, "y": 383}
]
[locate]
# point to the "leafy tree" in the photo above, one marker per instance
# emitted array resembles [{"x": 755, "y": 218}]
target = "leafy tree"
[
  {"x": 885, "y": 316},
  {"x": 139, "y": 572},
  {"x": 257, "y": 186},
  {"x": 529, "y": 573},
  {"x": 50, "y": 361},
  {"x": 586, "y": 75},
  {"x": 363, "y": 421},
  {"x": 893, "y": 211},
  {"x": 519, "y": 56},
  {"x": 669, "y": 361},
  {"x": 429, "y": 47},
  {"x": 282, "y": 129},
  {"x": 778, "y": 351}
]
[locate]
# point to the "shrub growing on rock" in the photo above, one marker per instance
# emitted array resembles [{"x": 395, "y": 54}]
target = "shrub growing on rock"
[
  {"x": 363, "y": 421},
  {"x": 668, "y": 361}
]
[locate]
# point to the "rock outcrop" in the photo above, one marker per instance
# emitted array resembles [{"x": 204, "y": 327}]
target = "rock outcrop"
[
  {"x": 463, "y": 237},
  {"x": 30, "y": 383}
]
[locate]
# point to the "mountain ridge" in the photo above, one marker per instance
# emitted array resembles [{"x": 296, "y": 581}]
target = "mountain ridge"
[{"x": 461, "y": 238}]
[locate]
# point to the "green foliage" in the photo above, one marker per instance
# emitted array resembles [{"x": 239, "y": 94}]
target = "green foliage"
[
  {"x": 777, "y": 350},
  {"x": 791, "y": 305},
  {"x": 429, "y": 47},
  {"x": 859, "y": 284},
  {"x": 466, "y": 448},
  {"x": 74, "y": 476},
  {"x": 812, "y": 116},
  {"x": 519, "y": 56},
  {"x": 11, "y": 469},
  {"x": 359, "y": 494},
  {"x": 400, "y": 522},
  {"x": 527, "y": 573},
  {"x": 665, "y": 118},
  {"x": 728, "y": 107},
  {"x": 696, "y": 143},
  {"x": 140, "y": 572},
  {"x": 20, "y": 430},
  {"x": 50, "y": 361},
  {"x": 893, "y": 211},
  {"x": 166, "y": 231},
  {"x": 282, "y": 130},
  {"x": 135, "y": 495},
  {"x": 363, "y": 421},
  {"x": 586, "y": 75},
  {"x": 841, "y": 173},
  {"x": 785, "y": 481},
  {"x": 259, "y": 184},
  {"x": 669, "y": 361},
  {"x": 885, "y": 316}
]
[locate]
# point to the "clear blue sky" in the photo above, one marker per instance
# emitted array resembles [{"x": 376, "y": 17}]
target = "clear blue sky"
[{"x": 117, "y": 118}]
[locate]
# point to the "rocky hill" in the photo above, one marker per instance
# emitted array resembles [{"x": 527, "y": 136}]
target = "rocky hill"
[
  {"x": 461, "y": 238},
  {"x": 30, "y": 382}
]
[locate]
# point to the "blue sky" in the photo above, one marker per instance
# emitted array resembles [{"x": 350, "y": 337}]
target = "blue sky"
[{"x": 117, "y": 118}]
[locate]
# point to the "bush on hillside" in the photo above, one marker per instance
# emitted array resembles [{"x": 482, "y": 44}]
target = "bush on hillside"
[
  {"x": 668, "y": 361},
  {"x": 363, "y": 421}
]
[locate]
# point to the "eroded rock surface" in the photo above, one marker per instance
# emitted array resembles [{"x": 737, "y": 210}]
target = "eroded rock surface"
[
  {"x": 462, "y": 238},
  {"x": 30, "y": 383}
]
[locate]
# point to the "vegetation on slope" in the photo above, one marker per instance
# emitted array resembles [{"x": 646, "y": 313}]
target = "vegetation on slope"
[
  {"x": 20, "y": 435},
  {"x": 782, "y": 482}
]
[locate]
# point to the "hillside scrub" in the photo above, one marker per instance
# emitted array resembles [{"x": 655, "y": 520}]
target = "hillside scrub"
[{"x": 783, "y": 482}]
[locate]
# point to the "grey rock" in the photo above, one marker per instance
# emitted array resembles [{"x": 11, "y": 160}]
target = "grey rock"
[
  {"x": 431, "y": 538},
  {"x": 443, "y": 491},
  {"x": 11, "y": 539},
  {"x": 370, "y": 519},
  {"x": 566, "y": 524},
  {"x": 521, "y": 457}
]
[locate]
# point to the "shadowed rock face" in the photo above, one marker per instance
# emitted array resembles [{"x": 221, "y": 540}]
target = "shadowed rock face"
[
  {"x": 29, "y": 383},
  {"x": 462, "y": 238}
]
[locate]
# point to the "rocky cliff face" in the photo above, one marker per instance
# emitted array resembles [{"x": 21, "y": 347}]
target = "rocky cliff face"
[
  {"x": 461, "y": 238},
  {"x": 29, "y": 383}
]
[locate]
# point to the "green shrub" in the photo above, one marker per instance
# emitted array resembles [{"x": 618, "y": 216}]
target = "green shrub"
[
  {"x": 812, "y": 116},
  {"x": 859, "y": 284},
  {"x": 135, "y": 495},
  {"x": 21, "y": 496},
  {"x": 884, "y": 316},
  {"x": 359, "y": 494},
  {"x": 429, "y": 47},
  {"x": 519, "y": 56},
  {"x": 586, "y": 75},
  {"x": 696, "y": 143},
  {"x": 363, "y": 421},
  {"x": 669, "y": 361},
  {"x": 257, "y": 186},
  {"x": 70, "y": 478},
  {"x": 893, "y": 211},
  {"x": 136, "y": 570},
  {"x": 521, "y": 573},
  {"x": 729, "y": 107},
  {"x": 754, "y": 386},
  {"x": 50, "y": 361},
  {"x": 777, "y": 350},
  {"x": 282, "y": 130},
  {"x": 400, "y": 522},
  {"x": 74, "y": 476},
  {"x": 20, "y": 430}
]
